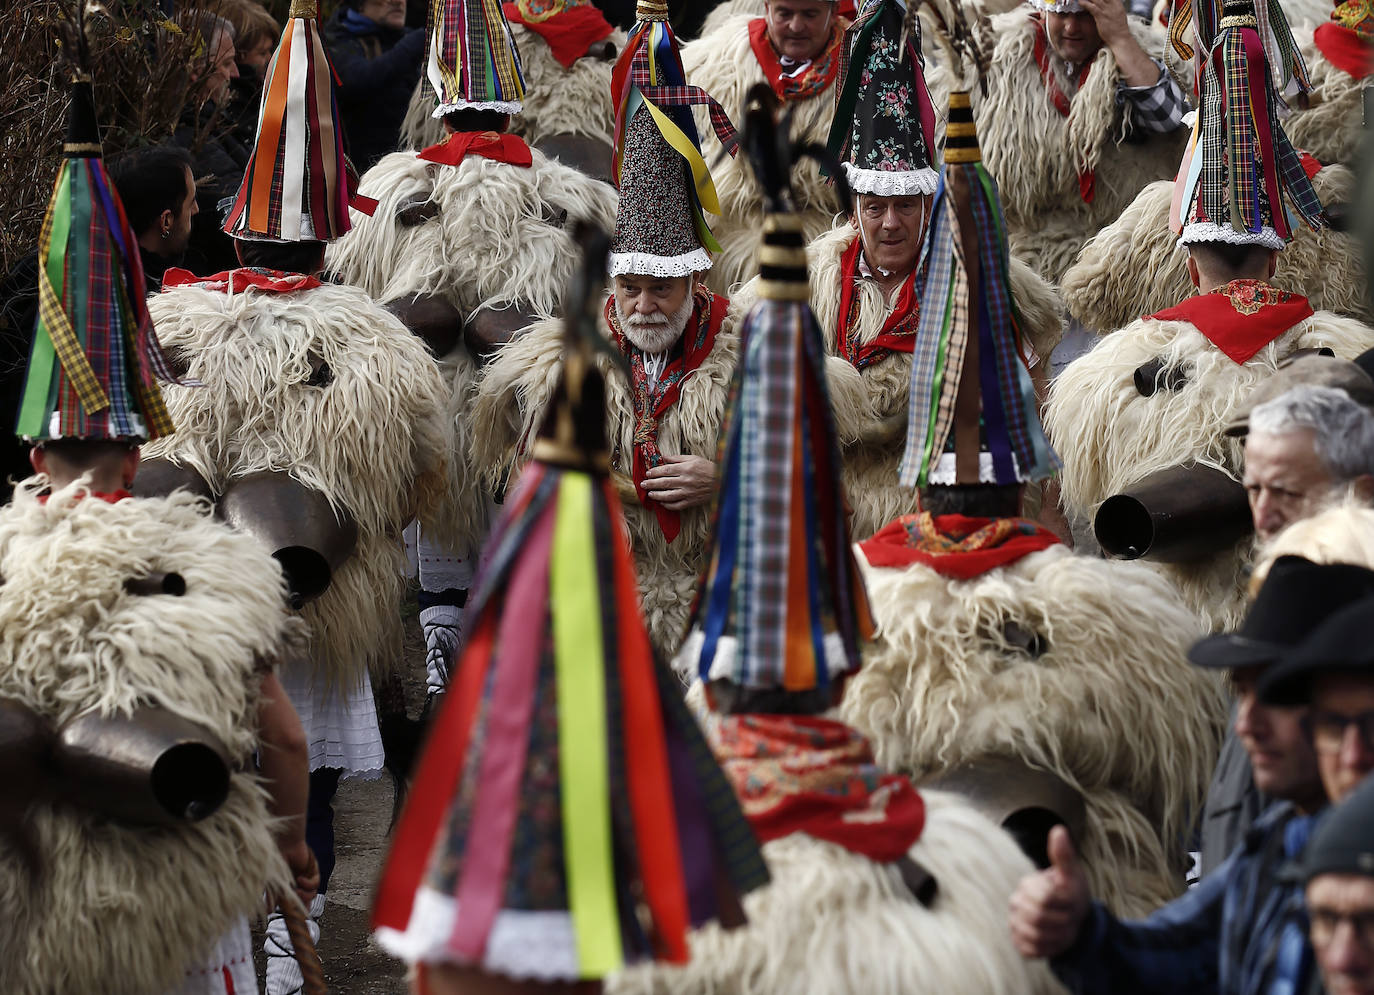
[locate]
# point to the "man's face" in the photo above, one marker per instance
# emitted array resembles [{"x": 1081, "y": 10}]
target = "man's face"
[
  {"x": 181, "y": 225},
  {"x": 1340, "y": 908},
  {"x": 799, "y": 29},
  {"x": 388, "y": 13},
  {"x": 653, "y": 309},
  {"x": 1285, "y": 479},
  {"x": 1281, "y": 757},
  {"x": 891, "y": 229},
  {"x": 222, "y": 68},
  {"x": 1073, "y": 37},
  {"x": 1345, "y": 753}
]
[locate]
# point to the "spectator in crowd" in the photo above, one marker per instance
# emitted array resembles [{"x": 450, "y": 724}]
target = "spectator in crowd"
[
  {"x": 219, "y": 156},
  {"x": 159, "y": 194},
  {"x": 378, "y": 61},
  {"x": 1338, "y": 868},
  {"x": 255, "y": 39},
  {"x": 1232, "y": 800},
  {"x": 1304, "y": 450},
  {"x": 1232, "y": 933}
]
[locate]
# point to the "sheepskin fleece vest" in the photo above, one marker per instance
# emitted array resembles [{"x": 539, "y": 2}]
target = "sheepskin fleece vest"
[
  {"x": 870, "y": 405},
  {"x": 512, "y": 395},
  {"x": 1036, "y": 153},
  {"x": 724, "y": 65},
  {"x": 1331, "y": 125}
]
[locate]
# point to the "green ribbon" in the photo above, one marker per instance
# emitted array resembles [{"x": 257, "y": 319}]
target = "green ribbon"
[{"x": 40, "y": 386}]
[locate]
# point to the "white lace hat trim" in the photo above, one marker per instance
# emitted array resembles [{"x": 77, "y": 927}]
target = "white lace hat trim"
[
  {"x": 504, "y": 106},
  {"x": 646, "y": 264},
  {"x": 945, "y": 471},
  {"x": 1055, "y": 6},
  {"x": 891, "y": 183},
  {"x": 536, "y": 945},
  {"x": 1208, "y": 231}
]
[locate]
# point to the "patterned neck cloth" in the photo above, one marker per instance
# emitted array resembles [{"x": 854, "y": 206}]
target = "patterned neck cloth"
[
  {"x": 236, "y": 281},
  {"x": 1242, "y": 317},
  {"x": 1347, "y": 39},
  {"x": 1087, "y": 181},
  {"x": 801, "y": 774},
  {"x": 955, "y": 546},
  {"x": 898, "y": 333},
  {"x": 816, "y": 78},
  {"x": 568, "y": 27},
  {"x": 650, "y": 403},
  {"x": 510, "y": 149}
]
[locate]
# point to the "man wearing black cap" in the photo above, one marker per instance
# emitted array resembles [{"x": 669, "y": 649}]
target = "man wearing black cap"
[
  {"x": 1233, "y": 932},
  {"x": 1338, "y": 869},
  {"x": 1332, "y": 673}
]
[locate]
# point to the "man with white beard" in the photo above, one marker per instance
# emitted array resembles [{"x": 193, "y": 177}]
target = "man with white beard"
[{"x": 666, "y": 399}]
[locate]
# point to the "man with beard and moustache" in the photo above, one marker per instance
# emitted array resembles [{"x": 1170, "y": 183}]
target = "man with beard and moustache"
[
  {"x": 666, "y": 395},
  {"x": 159, "y": 194}
]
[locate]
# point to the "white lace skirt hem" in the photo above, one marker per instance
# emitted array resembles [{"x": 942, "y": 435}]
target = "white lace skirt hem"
[{"x": 340, "y": 726}]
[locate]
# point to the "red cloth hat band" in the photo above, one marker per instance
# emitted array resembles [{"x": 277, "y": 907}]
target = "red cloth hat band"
[{"x": 955, "y": 546}]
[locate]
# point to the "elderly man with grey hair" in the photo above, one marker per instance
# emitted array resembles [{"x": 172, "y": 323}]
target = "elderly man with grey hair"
[{"x": 1305, "y": 449}]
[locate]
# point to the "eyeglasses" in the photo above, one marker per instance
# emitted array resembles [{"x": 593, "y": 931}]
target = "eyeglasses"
[
  {"x": 1327, "y": 729},
  {"x": 1326, "y": 921}
]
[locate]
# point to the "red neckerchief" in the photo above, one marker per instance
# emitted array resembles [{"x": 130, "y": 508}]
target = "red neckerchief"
[
  {"x": 235, "y": 281},
  {"x": 569, "y": 30},
  {"x": 1345, "y": 49},
  {"x": 506, "y": 148},
  {"x": 1242, "y": 317},
  {"x": 109, "y": 498},
  {"x": 898, "y": 333},
  {"x": 817, "y": 77},
  {"x": 1087, "y": 182},
  {"x": 955, "y": 546},
  {"x": 697, "y": 339},
  {"x": 802, "y": 774}
]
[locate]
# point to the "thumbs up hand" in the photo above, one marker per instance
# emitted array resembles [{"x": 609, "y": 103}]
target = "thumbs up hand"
[{"x": 1048, "y": 908}]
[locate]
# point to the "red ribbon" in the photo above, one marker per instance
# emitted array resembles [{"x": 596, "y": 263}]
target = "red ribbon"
[
  {"x": 235, "y": 281},
  {"x": 1345, "y": 49},
  {"x": 955, "y": 546},
  {"x": 1087, "y": 181},
  {"x": 1242, "y": 317},
  {"x": 452, "y": 150},
  {"x": 898, "y": 333},
  {"x": 817, "y": 77},
  {"x": 569, "y": 33}
]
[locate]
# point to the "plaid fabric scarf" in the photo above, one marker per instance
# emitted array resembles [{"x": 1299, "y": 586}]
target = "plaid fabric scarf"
[
  {"x": 650, "y": 403},
  {"x": 815, "y": 79}
]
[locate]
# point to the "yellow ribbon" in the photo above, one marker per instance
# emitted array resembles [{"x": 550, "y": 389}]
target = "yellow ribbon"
[{"x": 701, "y": 176}]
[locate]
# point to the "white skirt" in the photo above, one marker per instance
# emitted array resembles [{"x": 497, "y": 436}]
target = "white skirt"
[{"x": 341, "y": 727}]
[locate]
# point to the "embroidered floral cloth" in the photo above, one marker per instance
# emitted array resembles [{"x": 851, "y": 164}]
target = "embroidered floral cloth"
[
  {"x": 1347, "y": 39},
  {"x": 488, "y": 144},
  {"x": 802, "y": 774},
  {"x": 814, "y": 79},
  {"x": 898, "y": 333},
  {"x": 236, "y": 281},
  {"x": 1242, "y": 317},
  {"x": 955, "y": 546},
  {"x": 568, "y": 26}
]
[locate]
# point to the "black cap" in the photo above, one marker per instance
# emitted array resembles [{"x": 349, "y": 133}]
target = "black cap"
[
  {"x": 1344, "y": 841},
  {"x": 1296, "y": 597},
  {"x": 83, "y": 129},
  {"x": 1340, "y": 644}
]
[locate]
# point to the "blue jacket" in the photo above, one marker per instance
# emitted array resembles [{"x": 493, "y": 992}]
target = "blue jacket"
[{"x": 1241, "y": 931}]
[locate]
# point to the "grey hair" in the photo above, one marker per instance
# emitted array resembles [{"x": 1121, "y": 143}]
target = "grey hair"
[
  {"x": 210, "y": 26},
  {"x": 1342, "y": 429}
]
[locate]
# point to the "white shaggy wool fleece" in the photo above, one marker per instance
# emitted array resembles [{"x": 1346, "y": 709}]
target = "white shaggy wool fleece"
[
  {"x": 575, "y": 100},
  {"x": 1104, "y": 290},
  {"x": 723, "y": 64},
  {"x": 1035, "y": 153},
  {"x": 1331, "y": 125},
  {"x": 375, "y": 441},
  {"x": 1110, "y": 437},
  {"x": 835, "y": 921},
  {"x": 114, "y": 908},
  {"x": 870, "y": 406},
  {"x": 490, "y": 243},
  {"x": 1111, "y": 704},
  {"x": 512, "y": 395}
]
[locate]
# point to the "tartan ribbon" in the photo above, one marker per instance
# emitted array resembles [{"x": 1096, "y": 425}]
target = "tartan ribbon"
[{"x": 686, "y": 96}]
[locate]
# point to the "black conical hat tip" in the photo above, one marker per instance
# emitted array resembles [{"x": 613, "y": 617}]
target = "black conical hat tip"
[{"x": 83, "y": 129}]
